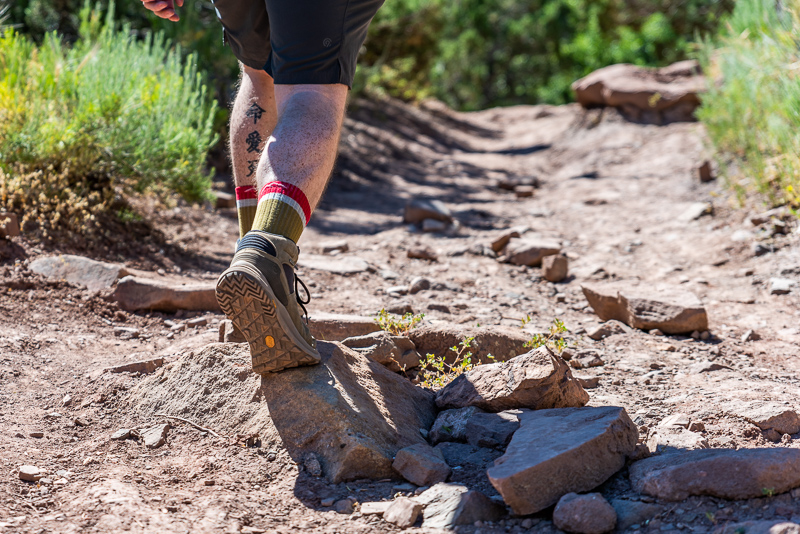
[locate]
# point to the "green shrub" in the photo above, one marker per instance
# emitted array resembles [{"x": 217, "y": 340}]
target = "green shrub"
[
  {"x": 753, "y": 116},
  {"x": 109, "y": 116}
]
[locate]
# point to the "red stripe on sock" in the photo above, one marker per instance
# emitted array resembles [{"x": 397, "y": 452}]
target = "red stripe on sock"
[
  {"x": 291, "y": 191},
  {"x": 246, "y": 192}
]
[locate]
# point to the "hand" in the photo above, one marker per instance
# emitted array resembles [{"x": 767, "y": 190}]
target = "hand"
[{"x": 164, "y": 8}]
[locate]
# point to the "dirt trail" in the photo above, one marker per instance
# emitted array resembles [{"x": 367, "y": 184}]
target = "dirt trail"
[{"x": 614, "y": 193}]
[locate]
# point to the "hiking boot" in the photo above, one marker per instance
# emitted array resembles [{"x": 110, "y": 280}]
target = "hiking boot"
[{"x": 258, "y": 292}]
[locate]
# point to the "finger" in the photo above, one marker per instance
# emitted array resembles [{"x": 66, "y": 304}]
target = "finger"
[
  {"x": 156, "y": 6},
  {"x": 165, "y": 13},
  {"x": 179, "y": 2}
]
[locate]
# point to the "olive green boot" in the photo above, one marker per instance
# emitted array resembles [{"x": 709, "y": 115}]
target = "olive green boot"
[{"x": 258, "y": 293}]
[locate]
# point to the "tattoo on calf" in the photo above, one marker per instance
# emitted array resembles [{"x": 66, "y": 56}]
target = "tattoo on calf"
[
  {"x": 254, "y": 112},
  {"x": 252, "y": 165},
  {"x": 253, "y": 141}
]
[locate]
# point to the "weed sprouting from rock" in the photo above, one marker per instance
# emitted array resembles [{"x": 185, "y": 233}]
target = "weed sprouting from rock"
[{"x": 397, "y": 325}]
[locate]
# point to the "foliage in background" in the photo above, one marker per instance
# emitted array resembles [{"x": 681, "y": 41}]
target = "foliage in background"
[
  {"x": 473, "y": 54},
  {"x": 396, "y": 325},
  {"x": 82, "y": 125},
  {"x": 753, "y": 116},
  {"x": 552, "y": 340}
]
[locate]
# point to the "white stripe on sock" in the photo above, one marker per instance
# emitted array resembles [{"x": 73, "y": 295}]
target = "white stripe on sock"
[{"x": 288, "y": 200}]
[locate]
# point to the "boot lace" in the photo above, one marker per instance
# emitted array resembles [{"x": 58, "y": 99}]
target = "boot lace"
[{"x": 302, "y": 302}]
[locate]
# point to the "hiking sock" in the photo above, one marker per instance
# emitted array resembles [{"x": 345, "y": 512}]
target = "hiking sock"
[
  {"x": 283, "y": 209},
  {"x": 246, "y": 204}
]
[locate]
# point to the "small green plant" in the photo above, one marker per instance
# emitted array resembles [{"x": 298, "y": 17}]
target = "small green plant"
[
  {"x": 553, "y": 340},
  {"x": 396, "y": 325},
  {"x": 525, "y": 320},
  {"x": 710, "y": 516},
  {"x": 436, "y": 373},
  {"x": 768, "y": 492}
]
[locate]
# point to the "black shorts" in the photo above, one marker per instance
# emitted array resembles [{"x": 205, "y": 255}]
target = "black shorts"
[{"x": 298, "y": 41}]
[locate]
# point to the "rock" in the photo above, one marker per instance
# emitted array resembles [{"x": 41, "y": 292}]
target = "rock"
[
  {"x": 695, "y": 211},
  {"x": 67, "y": 400},
  {"x": 492, "y": 430},
  {"x": 134, "y": 294},
  {"x": 631, "y": 513},
  {"x": 585, "y": 360},
  {"x": 336, "y": 265},
  {"x": 397, "y": 353},
  {"x": 465, "y": 455},
  {"x": 36, "y": 434},
  {"x": 9, "y": 225},
  {"x": 780, "y": 286},
  {"x": 126, "y": 332},
  {"x": 645, "y": 94},
  {"x": 555, "y": 268},
  {"x": 421, "y": 464},
  {"x": 432, "y": 225},
  {"x": 338, "y": 246},
  {"x": 750, "y": 335},
  {"x": 500, "y": 241},
  {"x": 503, "y": 343},
  {"x": 706, "y": 367},
  {"x": 766, "y": 415},
  {"x": 524, "y": 191},
  {"x": 224, "y": 200},
  {"x": 530, "y": 250},
  {"x": 421, "y": 253},
  {"x": 536, "y": 380},
  {"x": 584, "y": 514},
  {"x": 400, "y": 307},
  {"x": 95, "y": 275},
  {"x": 370, "y": 508},
  {"x": 396, "y": 290},
  {"x": 724, "y": 473},
  {"x": 451, "y": 425},
  {"x": 588, "y": 382},
  {"x": 677, "y": 420},
  {"x": 144, "y": 367},
  {"x": 311, "y": 465},
  {"x": 155, "y": 436},
  {"x": 344, "y": 506},
  {"x": 336, "y": 327},
  {"x": 419, "y": 209},
  {"x": 197, "y": 322},
  {"x": 403, "y": 512},
  {"x": 449, "y": 505},
  {"x": 29, "y": 473},
  {"x": 673, "y": 311},
  {"x": 705, "y": 172},
  {"x": 609, "y": 328},
  {"x": 559, "y": 451},
  {"x": 671, "y": 438},
  {"x": 122, "y": 433},
  {"x": 758, "y": 527},
  {"x": 228, "y": 333},
  {"x": 420, "y": 283},
  {"x": 510, "y": 183}
]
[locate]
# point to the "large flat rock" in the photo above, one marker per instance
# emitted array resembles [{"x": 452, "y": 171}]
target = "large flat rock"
[
  {"x": 340, "y": 326},
  {"x": 669, "y": 309},
  {"x": 725, "y": 473},
  {"x": 349, "y": 411},
  {"x": 537, "y": 380},
  {"x": 561, "y": 451},
  {"x": 502, "y": 343},
  {"x": 133, "y": 293},
  {"x": 95, "y": 275}
]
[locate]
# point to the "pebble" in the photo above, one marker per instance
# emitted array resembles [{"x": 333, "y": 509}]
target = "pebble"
[
  {"x": 67, "y": 400},
  {"x": 37, "y": 434},
  {"x": 344, "y": 506},
  {"x": 421, "y": 253},
  {"x": 420, "y": 283},
  {"x": 209, "y": 482},
  {"x": 29, "y": 473},
  {"x": 780, "y": 286},
  {"x": 327, "y": 503},
  {"x": 197, "y": 321},
  {"x": 122, "y": 433}
]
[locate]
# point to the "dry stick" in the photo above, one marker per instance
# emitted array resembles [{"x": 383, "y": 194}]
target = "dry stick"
[{"x": 198, "y": 427}]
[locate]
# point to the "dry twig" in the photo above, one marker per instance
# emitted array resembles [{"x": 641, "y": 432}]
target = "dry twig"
[{"x": 198, "y": 427}]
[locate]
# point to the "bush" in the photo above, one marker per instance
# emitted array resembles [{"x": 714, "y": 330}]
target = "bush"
[
  {"x": 753, "y": 116},
  {"x": 109, "y": 116}
]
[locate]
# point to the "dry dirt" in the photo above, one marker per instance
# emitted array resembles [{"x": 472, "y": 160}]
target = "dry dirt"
[{"x": 612, "y": 191}]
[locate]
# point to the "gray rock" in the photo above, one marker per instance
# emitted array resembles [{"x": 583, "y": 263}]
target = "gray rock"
[
  {"x": 584, "y": 514},
  {"x": 421, "y": 464},
  {"x": 133, "y": 293},
  {"x": 559, "y": 451},
  {"x": 335, "y": 265},
  {"x": 696, "y": 210},
  {"x": 29, "y": 473},
  {"x": 634, "y": 512},
  {"x": 122, "y": 433},
  {"x": 758, "y": 527},
  {"x": 432, "y": 225},
  {"x": 450, "y": 505},
  {"x": 671, "y": 438},
  {"x": 155, "y": 436},
  {"x": 329, "y": 247},
  {"x": 344, "y": 506},
  {"x": 725, "y": 473},
  {"x": 373, "y": 508},
  {"x": 336, "y": 326},
  {"x": 419, "y": 209},
  {"x": 403, "y": 512},
  {"x": 451, "y": 425},
  {"x": 420, "y": 283},
  {"x": 462, "y": 454},
  {"x": 769, "y": 415},
  {"x": 536, "y": 380},
  {"x": 781, "y": 286},
  {"x": 555, "y": 268},
  {"x": 609, "y": 328},
  {"x": 530, "y": 250},
  {"x": 492, "y": 430},
  {"x": 95, "y": 275},
  {"x": 397, "y": 353}
]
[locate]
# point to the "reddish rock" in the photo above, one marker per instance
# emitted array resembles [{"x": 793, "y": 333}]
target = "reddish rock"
[
  {"x": 584, "y": 514},
  {"x": 530, "y": 251},
  {"x": 559, "y": 451},
  {"x": 725, "y": 473},
  {"x": 673, "y": 311},
  {"x": 337, "y": 327},
  {"x": 421, "y": 464},
  {"x": 555, "y": 268},
  {"x": 770, "y": 415},
  {"x": 403, "y": 512},
  {"x": 503, "y": 343},
  {"x": 144, "y": 367},
  {"x": 224, "y": 200},
  {"x": 133, "y": 293},
  {"x": 502, "y": 239},
  {"x": 9, "y": 225},
  {"x": 419, "y": 209},
  {"x": 536, "y": 380},
  {"x": 95, "y": 275},
  {"x": 450, "y": 505},
  {"x": 397, "y": 353},
  {"x": 609, "y": 328}
]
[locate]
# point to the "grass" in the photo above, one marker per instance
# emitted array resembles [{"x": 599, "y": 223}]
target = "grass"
[
  {"x": 752, "y": 108},
  {"x": 81, "y": 127},
  {"x": 397, "y": 325}
]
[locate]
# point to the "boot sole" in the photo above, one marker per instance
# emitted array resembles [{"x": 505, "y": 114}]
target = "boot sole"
[{"x": 256, "y": 312}]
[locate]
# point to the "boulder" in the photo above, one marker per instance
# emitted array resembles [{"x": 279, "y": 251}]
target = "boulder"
[
  {"x": 450, "y": 505},
  {"x": 419, "y": 209},
  {"x": 724, "y": 473},
  {"x": 95, "y": 275},
  {"x": 671, "y": 310},
  {"x": 397, "y": 353},
  {"x": 503, "y": 343},
  {"x": 464, "y": 455},
  {"x": 537, "y": 380},
  {"x": 451, "y": 425},
  {"x": 133, "y": 294},
  {"x": 421, "y": 464},
  {"x": 337, "y": 326},
  {"x": 559, "y": 451},
  {"x": 584, "y": 514},
  {"x": 350, "y": 411},
  {"x": 474, "y": 426},
  {"x": 530, "y": 250},
  {"x": 555, "y": 268},
  {"x": 334, "y": 265},
  {"x": 645, "y": 94},
  {"x": 403, "y": 512}
]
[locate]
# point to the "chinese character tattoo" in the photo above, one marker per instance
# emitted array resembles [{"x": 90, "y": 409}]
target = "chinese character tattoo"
[
  {"x": 254, "y": 112},
  {"x": 253, "y": 141}
]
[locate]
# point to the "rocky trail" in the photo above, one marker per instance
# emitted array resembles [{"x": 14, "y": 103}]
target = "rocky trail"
[{"x": 126, "y": 403}]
